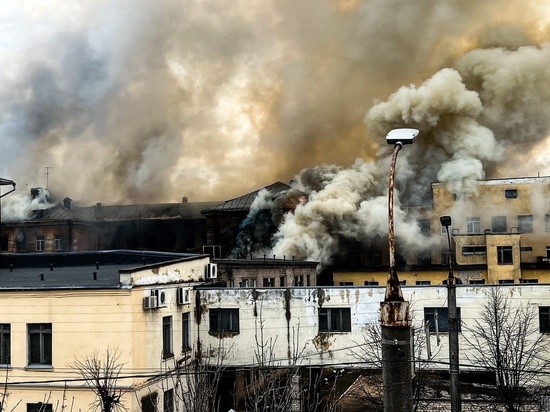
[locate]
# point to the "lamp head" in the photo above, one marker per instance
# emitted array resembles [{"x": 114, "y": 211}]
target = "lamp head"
[
  {"x": 401, "y": 136},
  {"x": 445, "y": 221}
]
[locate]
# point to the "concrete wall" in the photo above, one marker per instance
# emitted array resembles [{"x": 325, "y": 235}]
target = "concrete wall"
[{"x": 288, "y": 319}]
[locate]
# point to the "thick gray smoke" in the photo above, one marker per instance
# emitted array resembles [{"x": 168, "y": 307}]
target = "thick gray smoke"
[{"x": 145, "y": 101}]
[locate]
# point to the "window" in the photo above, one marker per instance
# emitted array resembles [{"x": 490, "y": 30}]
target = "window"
[
  {"x": 371, "y": 283},
  {"x": 423, "y": 282},
  {"x": 547, "y": 223},
  {"x": 346, "y": 283},
  {"x": 298, "y": 280},
  {"x": 185, "y": 332},
  {"x": 528, "y": 281},
  {"x": 476, "y": 281},
  {"x": 167, "y": 351},
  {"x": 544, "y": 319},
  {"x": 269, "y": 282},
  {"x": 40, "y": 243},
  {"x": 334, "y": 320},
  {"x": 474, "y": 250},
  {"x": 58, "y": 242},
  {"x": 505, "y": 281},
  {"x": 282, "y": 281},
  {"x": 441, "y": 316},
  {"x": 526, "y": 249},
  {"x": 39, "y": 407},
  {"x": 424, "y": 225},
  {"x": 473, "y": 225},
  {"x": 504, "y": 255},
  {"x": 525, "y": 223},
  {"x": 40, "y": 343},
  {"x": 168, "y": 400},
  {"x": 224, "y": 320},
  {"x": 149, "y": 402},
  {"x": 5, "y": 347},
  {"x": 498, "y": 224},
  {"x": 511, "y": 193}
]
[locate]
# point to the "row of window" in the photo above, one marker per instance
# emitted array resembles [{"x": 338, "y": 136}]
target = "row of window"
[
  {"x": 272, "y": 282},
  {"x": 41, "y": 243},
  {"x": 339, "y": 320}
]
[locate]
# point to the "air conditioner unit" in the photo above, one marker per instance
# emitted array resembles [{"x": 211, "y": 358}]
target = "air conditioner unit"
[
  {"x": 161, "y": 297},
  {"x": 184, "y": 296},
  {"x": 212, "y": 271},
  {"x": 149, "y": 302}
]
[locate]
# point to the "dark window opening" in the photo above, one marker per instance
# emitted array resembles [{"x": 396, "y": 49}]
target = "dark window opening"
[
  {"x": 5, "y": 345},
  {"x": 334, "y": 320},
  {"x": 224, "y": 320},
  {"x": 441, "y": 316},
  {"x": 423, "y": 282},
  {"x": 504, "y": 255},
  {"x": 528, "y": 281},
  {"x": 371, "y": 283},
  {"x": 544, "y": 319},
  {"x": 185, "y": 332},
  {"x": 505, "y": 281},
  {"x": 168, "y": 401},
  {"x": 474, "y": 250},
  {"x": 476, "y": 281},
  {"x": 167, "y": 351},
  {"x": 39, "y": 407},
  {"x": 40, "y": 343},
  {"x": 511, "y": 193}
]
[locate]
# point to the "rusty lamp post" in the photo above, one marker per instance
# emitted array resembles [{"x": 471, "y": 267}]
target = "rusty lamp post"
[
  {"x": 394, "y": 310},
  {"x": 452, "y": 317}
]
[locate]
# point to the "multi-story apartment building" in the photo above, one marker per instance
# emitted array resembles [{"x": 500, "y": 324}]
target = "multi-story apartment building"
[
  {"x": 500, "y": 233},
  {"x": 57, "y": 309}
]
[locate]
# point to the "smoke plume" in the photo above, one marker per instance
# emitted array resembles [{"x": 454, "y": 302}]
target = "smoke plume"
[{"x": 140, "y": 101}]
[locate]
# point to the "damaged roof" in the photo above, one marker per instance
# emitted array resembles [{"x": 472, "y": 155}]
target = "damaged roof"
[{"x": 243, "y": 203}]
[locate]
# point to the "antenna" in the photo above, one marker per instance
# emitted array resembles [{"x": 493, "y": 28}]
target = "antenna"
[{"x": 48, "y": 174}]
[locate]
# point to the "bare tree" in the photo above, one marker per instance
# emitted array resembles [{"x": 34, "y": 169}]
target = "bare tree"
[
  {"x": 101, "y": 374},
  {"x": 505, "y": 340}
]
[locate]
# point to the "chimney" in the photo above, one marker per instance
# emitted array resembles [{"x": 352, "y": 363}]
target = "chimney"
[
  {"x": 184, "y": 200},
  {"x": 67, "y": 203}
]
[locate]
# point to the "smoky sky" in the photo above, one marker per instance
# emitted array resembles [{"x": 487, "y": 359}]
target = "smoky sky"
[{"x": 132, "y": 101}]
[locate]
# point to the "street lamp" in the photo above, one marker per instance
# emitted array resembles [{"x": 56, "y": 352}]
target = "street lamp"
[
  {"x": 394, "y": 311},
  {"x": 453, "y": 325}
]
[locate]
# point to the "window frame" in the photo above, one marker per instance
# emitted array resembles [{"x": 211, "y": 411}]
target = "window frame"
[
  {"x": 5, "y": 344},
  {"x": 219, "y": 317},
  {"x": 168, "y": 400},
  {"x": 58, "y": 242},
  {"x": 442, "y": 319},
  {"x": 525, "y": 223},
  {"x": 511, "y": 193},
  {"x": 167, "y": 341},
  {"x": 473, "y": 225},
  {"x": 44, "y": 331},
  {"x": 335, "y": 320},
  {"x": 40, "y": 243},
  {"x": 503, "y": 252},
  {"x": 185, "y": 332},
  {"x": 499, "y": 222},
  {"x": 544, "y": 313}
]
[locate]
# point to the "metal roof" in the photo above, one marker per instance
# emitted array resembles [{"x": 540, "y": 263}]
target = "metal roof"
[
  {"x": 42, "y": 271},
  {"x": 243, "y": 203}
]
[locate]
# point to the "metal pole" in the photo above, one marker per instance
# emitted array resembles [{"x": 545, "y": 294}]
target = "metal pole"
[
  {"x": 395, "y": 327},
  {"x": 453, "y": 327}
]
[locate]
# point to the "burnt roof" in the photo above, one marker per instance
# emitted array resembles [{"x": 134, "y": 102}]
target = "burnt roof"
[
  {"x": 243, "y": 203},
  {"x": 98, "y": 213}
]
